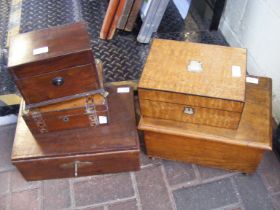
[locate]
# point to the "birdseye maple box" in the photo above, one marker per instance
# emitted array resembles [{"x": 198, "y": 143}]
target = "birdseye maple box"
[
  {"x": 194, "y": 83},
  {"x": 53, "y": 63},
  {"x": 240, "y": 150}
]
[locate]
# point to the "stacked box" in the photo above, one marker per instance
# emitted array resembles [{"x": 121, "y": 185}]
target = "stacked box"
[
  {"x": 196, "y": 106},
  {"x": 65, "y": 106}
]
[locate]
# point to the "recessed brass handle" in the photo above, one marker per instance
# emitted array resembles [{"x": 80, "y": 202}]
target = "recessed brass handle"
[{"x": 58, "y": 81}]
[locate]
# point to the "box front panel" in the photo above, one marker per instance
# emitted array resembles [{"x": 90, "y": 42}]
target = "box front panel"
[
  {"x": 80, "y": 165},
  {"x": 191, "y": 100},
  {"x": 59, "y": 84},
  {"x": 67, "y": 119},
  {"x": 190, "y": 114},
  {"x": 202, "y": 151}
]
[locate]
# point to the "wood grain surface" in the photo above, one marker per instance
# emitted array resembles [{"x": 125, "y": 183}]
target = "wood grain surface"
[
  {"x": 77, "y": 80},
  {"x": 66, "y": 115},
  {"x": 111, "y": 148},
  {"x": 109, "y": 18},
  {"x": 254, "y": 130},
  {"x": 68, "y": 45},
  {"x": 133, "y": 15},
  {"x": 239, "y": 149},
  {"x": 168, "y": 60}
]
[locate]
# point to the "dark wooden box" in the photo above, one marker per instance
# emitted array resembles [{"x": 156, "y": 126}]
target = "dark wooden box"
[
  {"x": 240, "y": 149},
  {"x": 53, "y": 63},
  {"x": 87, "y": 111},
  {"x": 81, "y": 152},
  {"x": 183, "y": 81}
]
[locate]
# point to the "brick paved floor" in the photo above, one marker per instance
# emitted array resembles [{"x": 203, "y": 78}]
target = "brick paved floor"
[{"x": 159, "y": 185}]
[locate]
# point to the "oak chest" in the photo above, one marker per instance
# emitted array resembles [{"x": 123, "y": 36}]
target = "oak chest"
[
  {"x": 194, "y": 83},
  {"x": 240, "y": 149},
  {"x": 53, "y": 63},
  {"x": 81, "y": 152}
]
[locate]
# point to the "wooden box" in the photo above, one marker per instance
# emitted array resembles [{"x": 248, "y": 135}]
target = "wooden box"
[
  {"x": 82, "y": 112},
  {"x": 81, "y": 152},
  {"x": 53, "y": 63},
  {"x": 194, "y": 83},
  {"x": 240, "y": 149}
]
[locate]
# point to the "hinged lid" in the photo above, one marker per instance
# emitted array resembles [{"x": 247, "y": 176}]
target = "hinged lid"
[
  {"x": 48, "y": 43},
  {"x": 198, "y": 69}
]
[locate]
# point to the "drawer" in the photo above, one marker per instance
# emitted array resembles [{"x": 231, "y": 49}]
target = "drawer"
[
  {"x": 190, "y": 114},
  {"x": 59, "y": 84},
  {"x": 80, "y": 165}
]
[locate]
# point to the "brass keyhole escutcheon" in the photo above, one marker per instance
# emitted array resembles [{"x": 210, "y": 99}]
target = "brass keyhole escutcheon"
[{"x": 189, "y": 110}]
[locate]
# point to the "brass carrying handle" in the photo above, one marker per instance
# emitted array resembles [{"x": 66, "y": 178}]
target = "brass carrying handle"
[{"x": 76, "y": 165}]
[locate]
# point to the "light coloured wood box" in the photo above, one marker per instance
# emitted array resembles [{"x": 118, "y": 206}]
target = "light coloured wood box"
[
  {"x": 195, "y": 83},
  {"x": 240, "y": 149}
]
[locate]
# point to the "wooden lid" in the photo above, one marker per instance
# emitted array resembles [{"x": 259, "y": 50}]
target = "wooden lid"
[
  {"x": 222, "y": 73},
  {"x": 255, "y": 128},
  {"x": 119, "y": 135},
  {"x": 60, "y": 40}
]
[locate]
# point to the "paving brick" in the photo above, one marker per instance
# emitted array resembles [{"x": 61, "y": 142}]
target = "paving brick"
[
  {"x": 145, "y": 160},
  {"x": 6, "y": 142},
  {"x": 253, "y": 192},
  {"x": 4, "y": 202},
  {"x": 24, "y": 200},
  {"x": 178, "y": 172},
  {"x": 56, "y": 194},
  {"x": 276, "y": 201},
  {"x": 211, "y": 173},
  {"x": 92, "y": 208},
  {"x": 270, "y": 172},
  {"x": 206, "y": 196},
  {"x": 129, "y": 205},
  {"x": 103, "y": 188},
  {"x": 4, "y": 182},
  {"x": 152, "y": 189},
  {"x": 19, "y": 183}
]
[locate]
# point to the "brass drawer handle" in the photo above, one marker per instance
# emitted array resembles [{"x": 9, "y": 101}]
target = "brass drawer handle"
[
  {"x": 58, "y": 81},
  {"x": 189, "y": 110},
  {"x": 76, "y": 165}
]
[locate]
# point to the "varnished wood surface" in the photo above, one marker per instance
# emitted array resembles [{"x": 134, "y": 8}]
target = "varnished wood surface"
[
  {"x": 116, "y": 19},
  {"x": 205, "y": 116},
  {"x": 206, "y": 110},
  {"x": 69, "y": 45},
  {"x": 199, "y": 151},
  {"x": 90, "y": 164},
  {"x": 119, "y": 135},
  {"x": 98, "y": 99},
  {"x": 166, "y": 69},
  {"x": 254, "y": 131},
  {"x": 190, "y": 100},
  {"x": 77, "y": 80},
  {"x": 133, "y": 15},
  {"x": 67, "y": 115},
  {"x": 109, "y": 18}
]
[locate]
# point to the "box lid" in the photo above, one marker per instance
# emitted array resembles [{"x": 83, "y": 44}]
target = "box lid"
[
  {"x": 198, "y": 69},
  {"x": 48, "y": 43},
  {"x": 255, "y": 128},
  {"x": 119, "y": 135}
]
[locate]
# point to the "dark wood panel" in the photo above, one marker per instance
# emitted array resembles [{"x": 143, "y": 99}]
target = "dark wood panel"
[
  {"x": 89, "y": 164},
  {"x": 61, "y": 41},
  {"x": 76, "y": 80}
]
